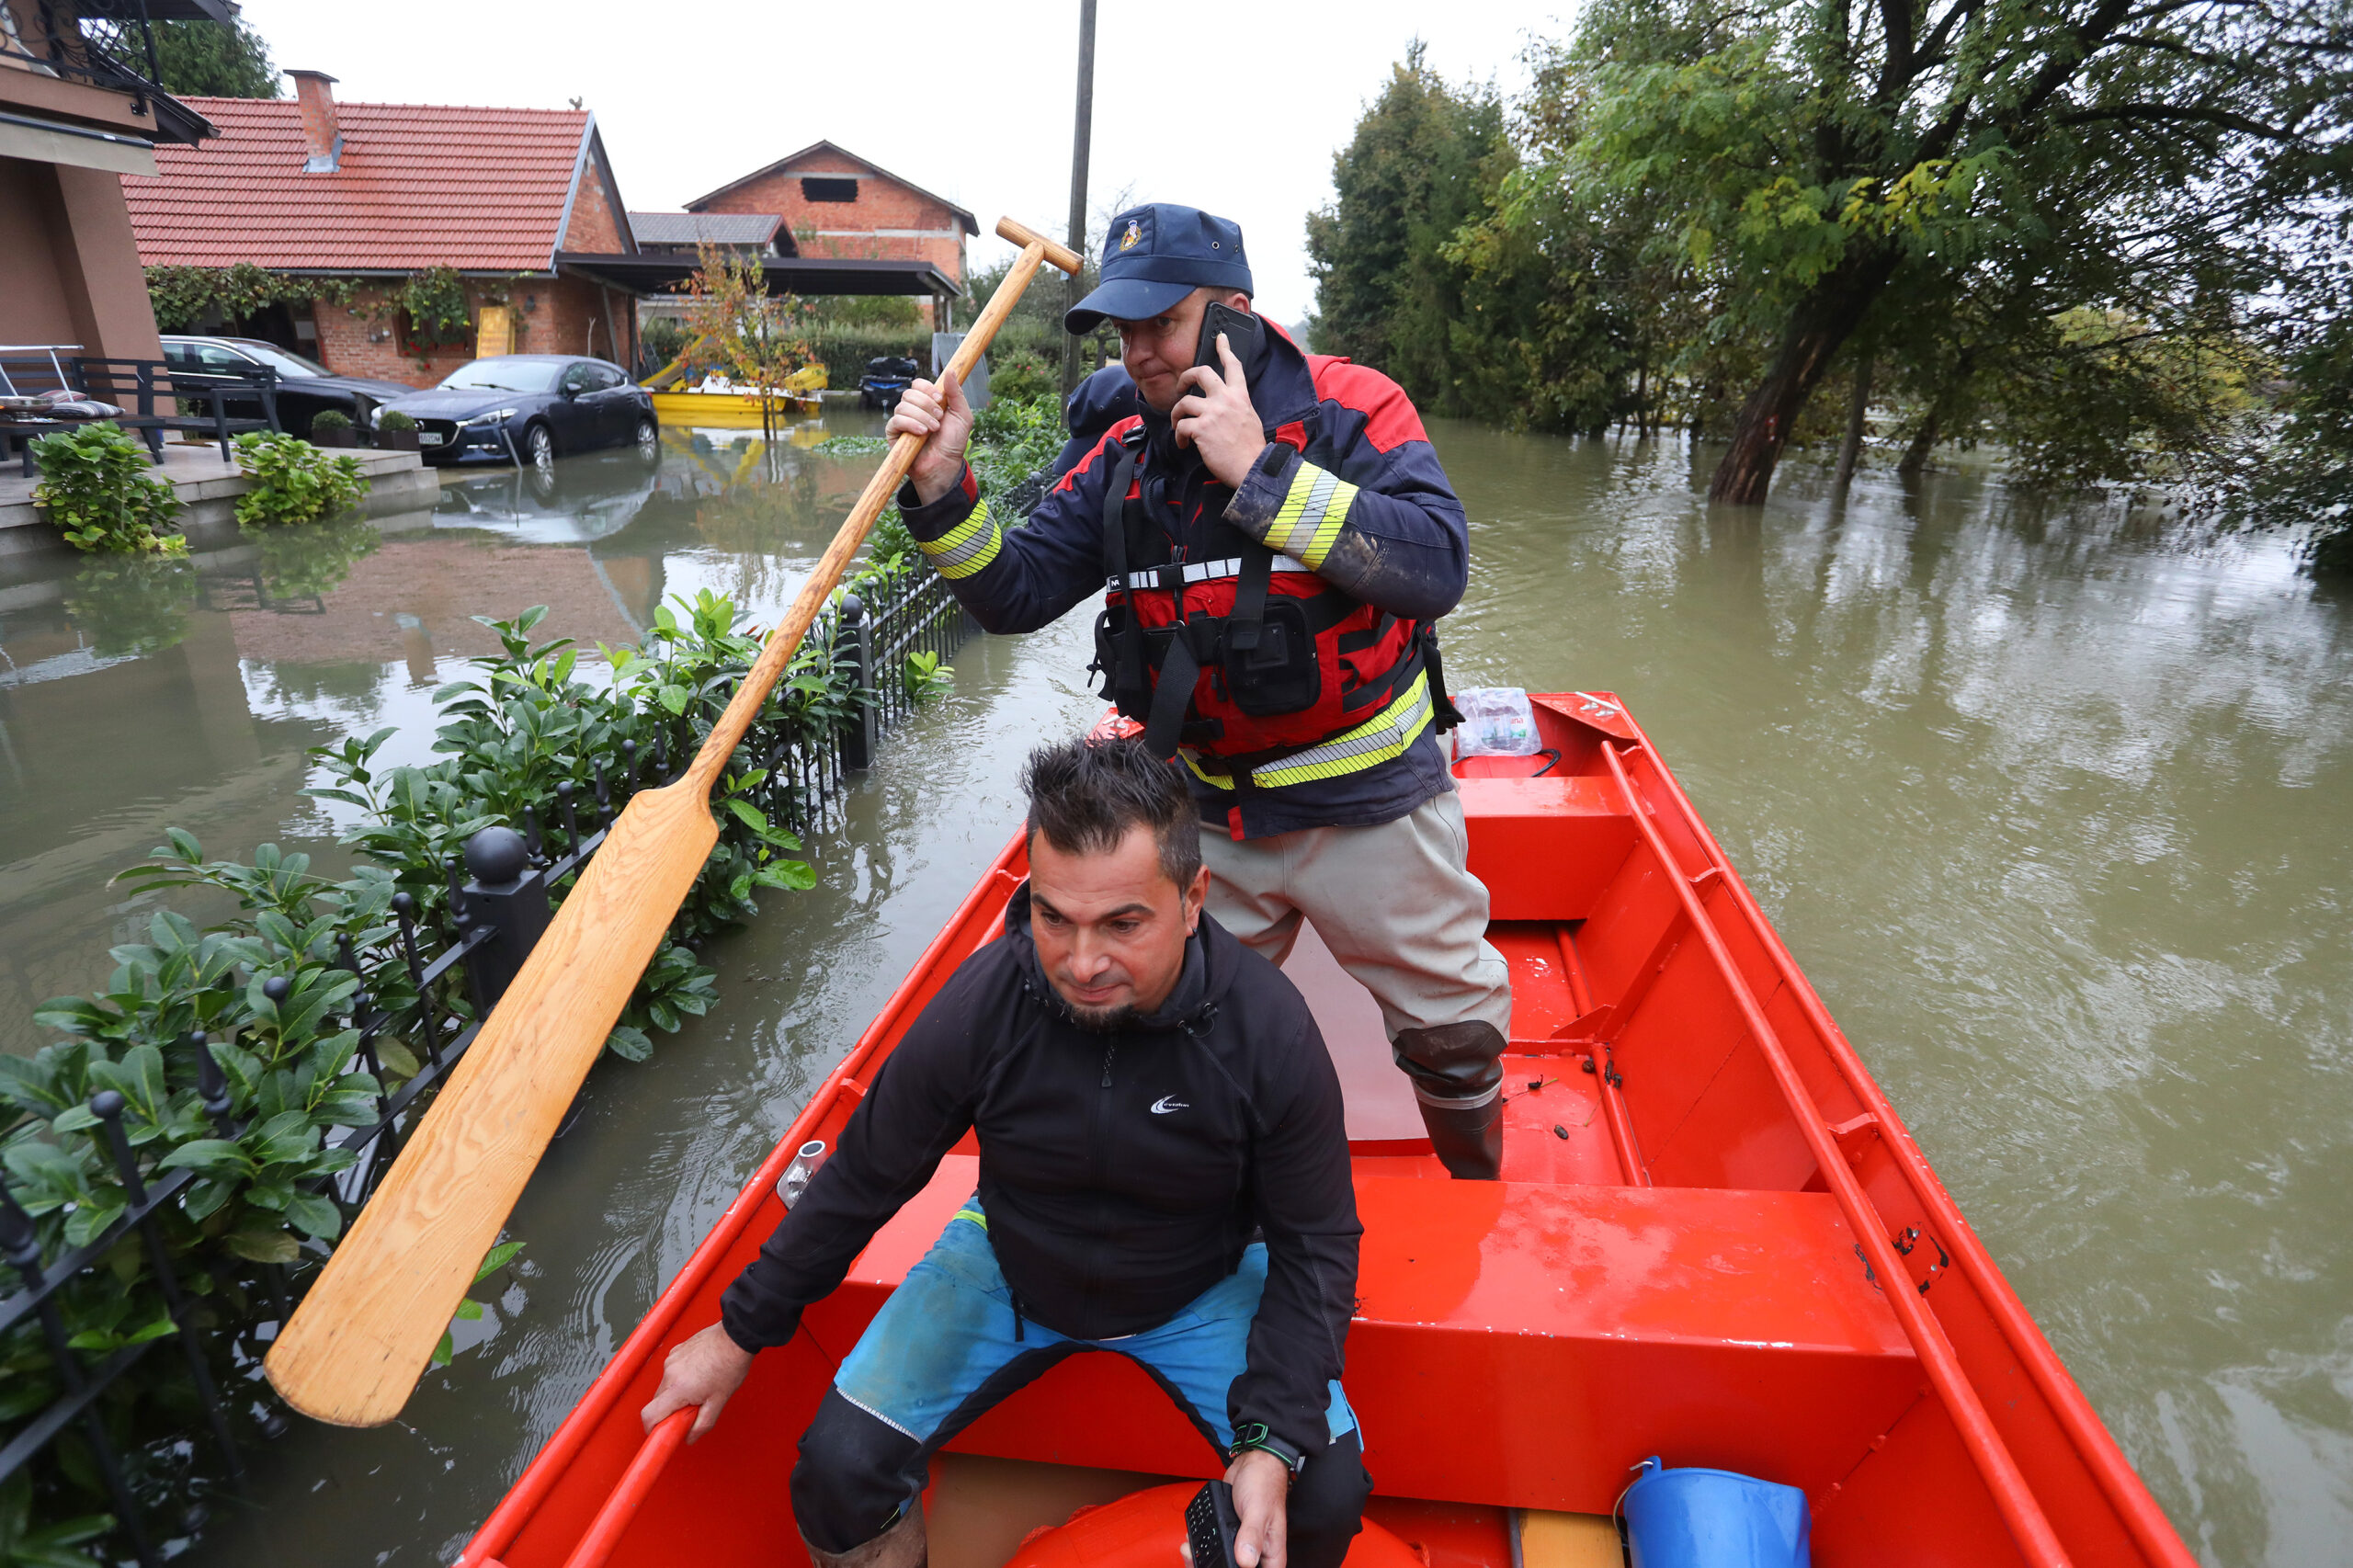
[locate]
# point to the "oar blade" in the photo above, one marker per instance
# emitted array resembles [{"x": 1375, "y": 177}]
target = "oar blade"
[{"x": 366, "y": 1331}]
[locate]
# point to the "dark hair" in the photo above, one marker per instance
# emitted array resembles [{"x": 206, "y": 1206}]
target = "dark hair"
[{"x": 1086, "y": 794}]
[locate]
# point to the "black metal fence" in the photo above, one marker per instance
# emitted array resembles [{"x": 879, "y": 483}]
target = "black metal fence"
[{"x": 499, "y": 902}]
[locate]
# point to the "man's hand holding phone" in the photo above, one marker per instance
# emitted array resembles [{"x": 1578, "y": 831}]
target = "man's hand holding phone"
[
  {"x": 938, "y": 414},
  {"x": 1215, "y": 417}
]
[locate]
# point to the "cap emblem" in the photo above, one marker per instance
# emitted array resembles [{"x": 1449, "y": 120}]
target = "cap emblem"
[{"x": 1135, "y": 233}]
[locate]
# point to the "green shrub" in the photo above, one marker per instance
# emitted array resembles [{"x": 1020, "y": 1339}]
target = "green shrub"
[
  {"x": 269, "y": 987},
  {"x": 96, "y": 487},
  {"x": 1022, "y": 376},
  {"x": 391, "y": 419},
  {"x": 294, "y": 482},
  {"x": 330, "y": 420}
]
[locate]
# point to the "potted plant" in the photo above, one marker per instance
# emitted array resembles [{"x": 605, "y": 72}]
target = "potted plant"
[
  {"x": 396, "y": 432},
  {"x": 331, "y": 428}
]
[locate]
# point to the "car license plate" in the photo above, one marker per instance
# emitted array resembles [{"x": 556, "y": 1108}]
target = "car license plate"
[{"x": 429, "y": 438}]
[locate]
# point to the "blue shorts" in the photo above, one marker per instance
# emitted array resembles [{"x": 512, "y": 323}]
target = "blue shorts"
[{"x": 943, "y": 1347}]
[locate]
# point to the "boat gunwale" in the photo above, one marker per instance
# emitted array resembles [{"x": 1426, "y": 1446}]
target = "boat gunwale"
[{"x": 2136, "y": 1507}]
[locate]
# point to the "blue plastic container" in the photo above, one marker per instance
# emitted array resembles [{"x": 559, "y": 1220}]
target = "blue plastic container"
[{"x": 1715, "y": 1518}]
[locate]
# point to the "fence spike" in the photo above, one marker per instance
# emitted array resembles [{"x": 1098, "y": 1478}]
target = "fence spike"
[
  {"x": 458, "y": 914},
  {"x": 571, "y": 819},
  {"x": 212, "y": 1084}
]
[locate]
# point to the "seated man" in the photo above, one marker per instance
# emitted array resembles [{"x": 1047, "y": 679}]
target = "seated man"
[{"x": 1147, "y": 1092}]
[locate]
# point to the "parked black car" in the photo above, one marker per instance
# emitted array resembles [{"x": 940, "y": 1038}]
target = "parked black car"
[
  {"x": 304, "y": 387},
  {"x": 532, "y": 408}
]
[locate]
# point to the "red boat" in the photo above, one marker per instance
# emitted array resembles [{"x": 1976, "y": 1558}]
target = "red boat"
[{"x": 1715, "y": 1242}]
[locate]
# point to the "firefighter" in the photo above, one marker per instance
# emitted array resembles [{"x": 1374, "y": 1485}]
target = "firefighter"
[{"x": 1277, "y": 538}]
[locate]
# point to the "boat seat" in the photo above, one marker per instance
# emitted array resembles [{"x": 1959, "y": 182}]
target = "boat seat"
[{"x": 1562, "y": 1332}]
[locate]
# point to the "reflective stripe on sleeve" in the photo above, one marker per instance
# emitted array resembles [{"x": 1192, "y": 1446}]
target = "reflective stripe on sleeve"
[
  {"x": 1379, "y": 739},
  {"x": 966, "y": 547},
  {"x": 1311, "y": 514}
]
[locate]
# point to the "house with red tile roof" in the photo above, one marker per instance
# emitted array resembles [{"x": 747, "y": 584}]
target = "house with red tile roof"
[
  {"x": 836, "y": 204},
  {"x": 367, "y": 197}
]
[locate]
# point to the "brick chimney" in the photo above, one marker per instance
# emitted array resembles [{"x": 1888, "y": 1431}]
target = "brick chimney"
[{"x": 321, "y": 136}]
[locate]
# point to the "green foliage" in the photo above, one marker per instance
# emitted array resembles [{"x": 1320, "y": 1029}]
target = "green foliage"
[
  {"x": 2080, "y": 230},
  {"x": 1417, "y": 170},
  {"x": 470, "y": 1310},
  {"x": 284, "y": 1017},
  {"x": 294, "y": 482},
  {"x": 662, "y": 339},
  {"x": 208, "y": 60},
  {"x": 330, "y": 420},
  {"x": 392, "y": 419},
  {"x": 1013, "y": 438},
  {"x": 190, "y": 299},
  {"x": 924, "y": 679},
  {"x": 433, "y": 309},
  {"x": 97, "y": 489},
  {"x": 1022, "y": 376}
]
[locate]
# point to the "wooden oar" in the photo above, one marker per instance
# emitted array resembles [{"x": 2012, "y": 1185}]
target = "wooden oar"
[{"x": 362, "y": 1337}]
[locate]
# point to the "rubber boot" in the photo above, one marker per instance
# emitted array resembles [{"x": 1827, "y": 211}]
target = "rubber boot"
[
  {"x": 1469, "y": 1140},
  {"x": 1458, "y": 1073},
  {"x": 900, "y": 1546}
]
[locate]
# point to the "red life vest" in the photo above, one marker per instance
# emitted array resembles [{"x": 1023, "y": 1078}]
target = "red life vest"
[{"x": 1268, "y": 659}]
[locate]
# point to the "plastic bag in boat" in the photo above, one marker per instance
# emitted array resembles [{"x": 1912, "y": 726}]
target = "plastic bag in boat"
[
  {"x": 1497, "y": 720},
  {"x": 1715, "y": 1518}
]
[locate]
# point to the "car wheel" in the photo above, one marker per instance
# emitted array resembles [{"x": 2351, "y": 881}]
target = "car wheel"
[
  {"x": 649, "y": 441},
  {"x": 540, "y": 447}
]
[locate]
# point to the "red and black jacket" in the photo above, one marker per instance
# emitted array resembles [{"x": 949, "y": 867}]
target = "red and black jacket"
[{"x": 1346, "y": 541}]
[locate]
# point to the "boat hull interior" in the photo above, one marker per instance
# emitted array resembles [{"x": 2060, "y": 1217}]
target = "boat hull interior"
[{"x": 1666, "y": 1269}]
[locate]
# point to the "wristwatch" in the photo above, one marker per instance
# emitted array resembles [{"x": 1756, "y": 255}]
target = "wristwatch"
[{"x": 1254, "y": 1435}]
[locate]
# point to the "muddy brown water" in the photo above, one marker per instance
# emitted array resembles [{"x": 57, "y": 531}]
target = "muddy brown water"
[{"x": 2053, "y": 803}]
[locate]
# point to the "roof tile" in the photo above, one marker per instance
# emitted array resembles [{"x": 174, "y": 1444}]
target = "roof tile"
[{"x": 420, "y": 185}]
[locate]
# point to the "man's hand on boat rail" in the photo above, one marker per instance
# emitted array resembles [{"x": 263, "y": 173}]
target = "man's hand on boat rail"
[
  {"x": 1261, "y": 1485},
  {"x": 705, "y": 1371},
  {"x": 938, "y": 414}
]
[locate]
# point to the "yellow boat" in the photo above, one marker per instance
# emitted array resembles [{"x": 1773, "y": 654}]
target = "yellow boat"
[
  {"x": 724, "y": 411},
  {"x": 730, "y": 409}
]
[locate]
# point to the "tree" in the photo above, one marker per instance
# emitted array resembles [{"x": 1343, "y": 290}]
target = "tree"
[
  {"x": 209, "y": 60},
  {"x": 738, "y": 324},
  {"x": 1833, "y": 162},
  {"x": 1411, "y": 177}
]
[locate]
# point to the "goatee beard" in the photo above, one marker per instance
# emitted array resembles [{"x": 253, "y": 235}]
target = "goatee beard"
[{"x": 1102, "y": 1020}]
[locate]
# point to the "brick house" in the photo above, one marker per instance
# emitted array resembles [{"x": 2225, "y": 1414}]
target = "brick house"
[
  {"x": 836, "y": 204},
  {"x": 371, "y": 194}
]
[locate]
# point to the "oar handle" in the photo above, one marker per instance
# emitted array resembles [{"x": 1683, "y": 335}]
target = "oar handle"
[{"x": 784, "y": 640}]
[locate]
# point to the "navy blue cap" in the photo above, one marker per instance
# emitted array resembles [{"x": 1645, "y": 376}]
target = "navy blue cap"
[{"x": 1155, "y": 255}]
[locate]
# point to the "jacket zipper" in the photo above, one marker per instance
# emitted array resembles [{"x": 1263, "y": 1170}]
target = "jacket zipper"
[{"x": 1102, "y": 1174}]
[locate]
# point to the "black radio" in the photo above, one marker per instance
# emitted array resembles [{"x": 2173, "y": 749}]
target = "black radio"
[{"x": 1211, "y": 1525}]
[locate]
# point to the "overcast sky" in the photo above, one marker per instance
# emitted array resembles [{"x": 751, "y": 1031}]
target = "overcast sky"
[{"x": 1223, "y": 104}]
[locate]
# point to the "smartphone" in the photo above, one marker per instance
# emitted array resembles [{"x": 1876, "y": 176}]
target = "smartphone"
[
  {"x": 1211, "y": 1523},
  {"x": 1242, "y": 330}
]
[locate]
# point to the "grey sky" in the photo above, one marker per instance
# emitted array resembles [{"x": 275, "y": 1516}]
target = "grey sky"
[{"x": 1231, "y": 105}]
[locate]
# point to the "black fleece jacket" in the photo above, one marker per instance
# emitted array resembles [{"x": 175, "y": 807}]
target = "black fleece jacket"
[{"x": 1122, "y": 1172}]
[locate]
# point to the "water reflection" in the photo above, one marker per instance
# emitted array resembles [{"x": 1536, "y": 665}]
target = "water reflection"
[{"x": 2055, "y": 806}]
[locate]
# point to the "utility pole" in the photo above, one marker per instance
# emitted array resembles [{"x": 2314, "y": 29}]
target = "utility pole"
[{"x": 1078, "y": 151}]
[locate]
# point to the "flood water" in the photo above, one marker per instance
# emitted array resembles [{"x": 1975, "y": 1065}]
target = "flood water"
[{"x": 2055, "y": 807}]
